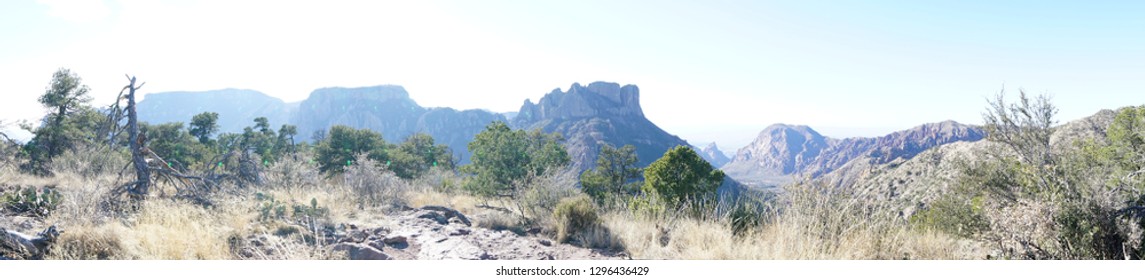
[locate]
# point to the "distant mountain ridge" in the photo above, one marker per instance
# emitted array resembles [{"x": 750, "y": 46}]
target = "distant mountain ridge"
[
  {"x": 389, "y": 110},
  {"x": 586, "y": 116},
  {"x": 910, "y": 183},
  {"x": 386, "y": 109},
  {"x": 713, "y": 155},
  {"x": 237, "y": 108},
  {"x": 782, "y": 152}
]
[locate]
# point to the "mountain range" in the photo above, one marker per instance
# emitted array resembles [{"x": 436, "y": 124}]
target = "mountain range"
[
  {"x": 389, "y": 110},
  {"x": 237, "y": 108},
  {"x": 784, "y": 152},
  {"x": 910, "y": 183},
  {"x": 386, "y": 109},
  {"x": 586, "y": 116}
]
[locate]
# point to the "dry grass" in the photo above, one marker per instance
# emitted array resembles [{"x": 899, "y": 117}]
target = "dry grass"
[
  {"x": 786, "y": 239},
  {"x": 812, "y": 225}
]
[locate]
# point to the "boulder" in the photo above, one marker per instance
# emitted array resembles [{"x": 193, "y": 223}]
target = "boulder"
[{"x": 355, "y": 251}]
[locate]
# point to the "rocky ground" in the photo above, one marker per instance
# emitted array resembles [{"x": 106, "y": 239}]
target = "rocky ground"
[{"x": 428, "y": 233}]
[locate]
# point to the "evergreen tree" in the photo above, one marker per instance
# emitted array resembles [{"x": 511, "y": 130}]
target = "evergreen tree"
[
  {"x": 65, "y": 98},
  {"x": 682, "y": 177},
  {"x": 616, "y": 173},
  {"x": 503, "y": 157},
  {"x": 204, "y": 125},
  {"x": 338, "y": 148}
]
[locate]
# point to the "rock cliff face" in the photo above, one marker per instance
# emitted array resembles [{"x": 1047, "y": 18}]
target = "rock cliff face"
[
  {"x": 385, "y": 109},
  {"x": 389, "y": 111},
  {"x": 783, "y": 152},
  {"x": 599, "y": 99},
  {"x": 589, "y": 116}
]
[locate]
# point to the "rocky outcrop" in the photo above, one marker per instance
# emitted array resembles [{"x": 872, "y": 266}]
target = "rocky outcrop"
[
  {"x": 784, "y": 152},
  {"x": 598, "y": 99},
  {"x": 426, "y": 233},
  {"x": 590, "y": 116},
  {"x": 436, "y": 233}
]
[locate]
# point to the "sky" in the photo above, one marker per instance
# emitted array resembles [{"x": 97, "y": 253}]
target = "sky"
[{"x": 708, "y": 71}]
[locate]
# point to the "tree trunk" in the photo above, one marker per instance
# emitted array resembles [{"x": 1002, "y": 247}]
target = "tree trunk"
[{"x": 142, "y": 172}]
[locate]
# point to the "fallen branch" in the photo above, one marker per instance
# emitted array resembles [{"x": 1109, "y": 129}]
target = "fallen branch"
[{"x": 18, "y": 246}]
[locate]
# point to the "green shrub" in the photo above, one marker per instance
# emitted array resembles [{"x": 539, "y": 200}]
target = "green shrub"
[
  {"x": 574, "y": 217},
  {"x": 342, "y": 146},
  {"x": 30, "y": 200},
  {"x": 1089, "y": 232},
  {"x": 954, "y": 216}
]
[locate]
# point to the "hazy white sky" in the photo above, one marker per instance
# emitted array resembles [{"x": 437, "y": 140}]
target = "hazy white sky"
[{"x": 708, "y": 70}]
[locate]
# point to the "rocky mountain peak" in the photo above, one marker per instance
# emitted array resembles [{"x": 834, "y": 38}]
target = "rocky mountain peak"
[
  {"x": 783, "y": 151},
  {"x": 597, "y": 99},
  {"x": 784, "y": 148},
  {"x": 593, "y": 115},
  {"x": 713, "y": 155}
]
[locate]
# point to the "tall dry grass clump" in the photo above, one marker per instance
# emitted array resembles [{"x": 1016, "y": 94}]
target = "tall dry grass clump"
[
  {"x": 98, "y": 226},
  {"x": 90, "y": 160},
  {"x": 803, "y": 222},
  {"x": 537, "y": 199}
]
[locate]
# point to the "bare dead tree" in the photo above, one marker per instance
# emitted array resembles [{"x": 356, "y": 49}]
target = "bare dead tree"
[
  {"x": 115, "y": 114},
  {"x": 142, "y": 172},
  {"x": 146, "y": 175}
]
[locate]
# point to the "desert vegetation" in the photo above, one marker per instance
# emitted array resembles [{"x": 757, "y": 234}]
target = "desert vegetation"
[
  {"x": 1034, "y": 197},
  {"x": 261, "y": 194}
]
